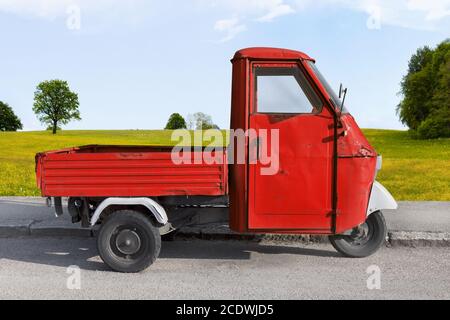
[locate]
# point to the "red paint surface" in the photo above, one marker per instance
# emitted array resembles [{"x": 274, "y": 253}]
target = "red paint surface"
[
  {"x": 105, "y": 171},
  {"x": 356, "y": 173},
  {"x": 239, "y": 120},
  {"x": 269, "y": 54},
  {"x": 299, "y": 198}
]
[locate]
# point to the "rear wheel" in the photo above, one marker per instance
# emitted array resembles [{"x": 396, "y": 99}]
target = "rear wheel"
[
  {"x": 363, "y": 240},
  {"x": 128, "y": 241}
]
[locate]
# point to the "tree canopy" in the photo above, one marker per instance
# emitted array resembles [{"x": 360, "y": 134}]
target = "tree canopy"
[
  {"x": 425, "y": 107},
  {"x": 176, "y": 121},
  {"x": 8, "y": 119},
  {"x": 54, "y": 103},
  {"x": 200, "y": 121}
]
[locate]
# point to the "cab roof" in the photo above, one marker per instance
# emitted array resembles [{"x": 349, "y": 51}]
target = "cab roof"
[{"x": 270, "y": 53}]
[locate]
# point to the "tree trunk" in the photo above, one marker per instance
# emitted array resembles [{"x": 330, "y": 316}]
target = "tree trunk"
[{"x": 55, "y": 126}]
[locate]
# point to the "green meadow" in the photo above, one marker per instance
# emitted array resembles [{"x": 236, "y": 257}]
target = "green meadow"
[{"x": 412, "y": 169}]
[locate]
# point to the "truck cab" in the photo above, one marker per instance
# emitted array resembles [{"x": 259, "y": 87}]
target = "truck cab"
[{"x": 326, "y": 169}]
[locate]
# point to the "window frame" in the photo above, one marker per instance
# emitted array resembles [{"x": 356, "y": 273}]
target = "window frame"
[
  {"x": 302, "y": 80},
  {"x": 336, "y": 101}
]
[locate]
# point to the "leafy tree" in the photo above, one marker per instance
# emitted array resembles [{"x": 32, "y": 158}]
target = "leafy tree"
[
  {"x": 176, "y": 121},
  {"x": 54, "y": 103},
  {"x": 425, "y": 107},
  {"x": 200, "y": 121},
  {"x": 8, "y": 120},
  {"x": 436, "y": 125}
]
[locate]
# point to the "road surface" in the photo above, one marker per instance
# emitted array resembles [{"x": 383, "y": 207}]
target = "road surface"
[{"x": 197, "y": 269}]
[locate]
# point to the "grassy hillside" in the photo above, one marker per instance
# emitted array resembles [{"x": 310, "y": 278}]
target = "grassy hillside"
[{"x": 412, "y": 169}]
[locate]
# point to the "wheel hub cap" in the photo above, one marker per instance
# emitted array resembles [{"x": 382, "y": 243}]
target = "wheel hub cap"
[
  {"x": 360, "y": 235},
  {"x": 128, "y": 242}
]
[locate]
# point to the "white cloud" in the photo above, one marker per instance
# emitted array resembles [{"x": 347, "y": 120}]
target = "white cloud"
[
  {"x": 40, "y": 8},
  {"x": 51, "y": 9},
  {"x": 257, "y": 10},
  {"x": 278, "y": 11},
  {"x": 434, "y": 10},
  {"x": 414, "y": 14},
  {"x": 231, "y": 27}
]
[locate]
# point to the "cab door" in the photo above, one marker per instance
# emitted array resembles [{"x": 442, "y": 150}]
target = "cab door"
[{"x": 290, "y": 180}]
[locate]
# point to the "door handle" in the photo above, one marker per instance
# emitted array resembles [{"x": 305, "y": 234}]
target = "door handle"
[{"x": 257, "y": 149}]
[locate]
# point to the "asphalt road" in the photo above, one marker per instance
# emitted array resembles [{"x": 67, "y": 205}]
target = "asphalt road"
[{"x": 37, "y": 268}]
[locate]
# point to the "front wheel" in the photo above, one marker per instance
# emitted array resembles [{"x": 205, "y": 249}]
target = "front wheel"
[
  {"x": 363, "y": 240},
  {"x": 128, "y": 241}
]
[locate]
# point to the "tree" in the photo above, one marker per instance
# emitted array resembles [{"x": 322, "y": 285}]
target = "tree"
[
  {"x": 8, "y": 119},
  {"x": 54, "y": 103},
  {"x": 425, "y": 107},
  {"x": 176, "y": 121},
  {"x": 50, "y": 128},
  {"x": 200, "y": 121}
]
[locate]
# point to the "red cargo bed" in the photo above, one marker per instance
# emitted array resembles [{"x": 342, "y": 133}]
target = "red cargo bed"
[{"x": 128, "y": 171}]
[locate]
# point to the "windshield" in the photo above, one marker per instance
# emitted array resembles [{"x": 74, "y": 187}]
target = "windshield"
[{"x": 337, "y": 102}]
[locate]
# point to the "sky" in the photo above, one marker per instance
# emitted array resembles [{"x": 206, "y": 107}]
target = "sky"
[{"x": 135, "y": 62}]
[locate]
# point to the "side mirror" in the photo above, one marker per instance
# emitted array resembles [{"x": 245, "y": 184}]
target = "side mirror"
[{"x": 342, "y": 95}]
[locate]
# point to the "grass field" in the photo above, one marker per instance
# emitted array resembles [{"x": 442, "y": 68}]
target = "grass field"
[{"x": 412, "y": 169}]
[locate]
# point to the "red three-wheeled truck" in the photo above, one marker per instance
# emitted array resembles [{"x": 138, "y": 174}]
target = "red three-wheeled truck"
[{"x": 321, "y": 179}]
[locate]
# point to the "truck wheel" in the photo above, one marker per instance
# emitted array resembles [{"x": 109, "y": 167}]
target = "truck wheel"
[
  {"x": 128, "y": 241},
  {"x": 364, "y": 240}
]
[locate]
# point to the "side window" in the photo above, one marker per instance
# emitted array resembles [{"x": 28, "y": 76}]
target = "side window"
[{"x": 284, "y": 90}]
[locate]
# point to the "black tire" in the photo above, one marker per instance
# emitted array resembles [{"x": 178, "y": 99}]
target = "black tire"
[
  {"x": 365, "y": 239},
  {"x": 128, "y": 241}
]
